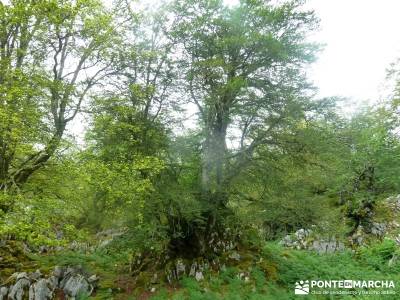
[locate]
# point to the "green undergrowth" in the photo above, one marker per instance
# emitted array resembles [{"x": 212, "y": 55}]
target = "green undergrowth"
[
  {"x": 272, "y": 276},
  {"x": 288, "y": 266},
  {"x": 14, "y": 259}
]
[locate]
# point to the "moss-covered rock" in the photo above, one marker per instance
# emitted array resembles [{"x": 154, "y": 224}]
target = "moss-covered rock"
[{"x": 13, "y": 259}]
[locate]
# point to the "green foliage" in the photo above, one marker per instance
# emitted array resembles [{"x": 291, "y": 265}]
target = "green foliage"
[
  {"x": 285, "y": 190},
  {"x": 39, "y": 214},
  {"x": 371, "y": 171},
  {"x": 264, "y": 157},
  {"x": 294, "y": 265},
  {"x": 40, "y": 96},
  {"x": 291, "y": 266},
  {"x": 230, "y": 58},
  {"x": 378, "y": 256}
]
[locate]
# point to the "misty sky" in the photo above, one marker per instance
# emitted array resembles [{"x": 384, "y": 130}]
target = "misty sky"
[{"x": 362, "y": 40}]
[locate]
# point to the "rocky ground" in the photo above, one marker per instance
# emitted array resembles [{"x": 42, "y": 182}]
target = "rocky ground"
[
  {"x": 62, "y": 282},
  {"x": 24, "y": 277}
]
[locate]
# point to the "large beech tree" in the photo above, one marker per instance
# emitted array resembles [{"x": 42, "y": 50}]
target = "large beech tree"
[{"x": 244, "y": 70}]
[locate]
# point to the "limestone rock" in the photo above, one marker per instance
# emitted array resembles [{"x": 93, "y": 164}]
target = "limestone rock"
[
  {"x": 94, "y": 279},
  {"x": 394, "y": 203},
  {"x": 193, "y": 269},
  {"x": 378, "y": 229},
  {"x": 322, "y": 246},
  {"x": 199, "y": 276},
  {"x": 180, "y": 268},
  {"x": 3, "y": 292},
  {"x": 17, "y": 291},
  {"x": 301, "y": 240},
  {"x": 35, "y": 286},
  {"x": 301, "y": 234},
  {"x": 41, "y": 290},
  {"x": 58, "y": 272},
  {"x": 234, "y": 255},
  {"x": 77, "y": 285},
  {"x": 35, "y": 275}
]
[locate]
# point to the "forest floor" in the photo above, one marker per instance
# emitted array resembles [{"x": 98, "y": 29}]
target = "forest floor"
[{"x": 272, "y": 277}]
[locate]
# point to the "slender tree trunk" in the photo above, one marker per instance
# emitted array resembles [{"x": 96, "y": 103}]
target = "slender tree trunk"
[{"x": 34, "y": 162}]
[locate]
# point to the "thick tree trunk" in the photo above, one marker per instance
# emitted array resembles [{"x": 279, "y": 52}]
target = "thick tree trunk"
[
  {"x": 214, "y": 155},
  {"x": 206, "y": 169}
]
